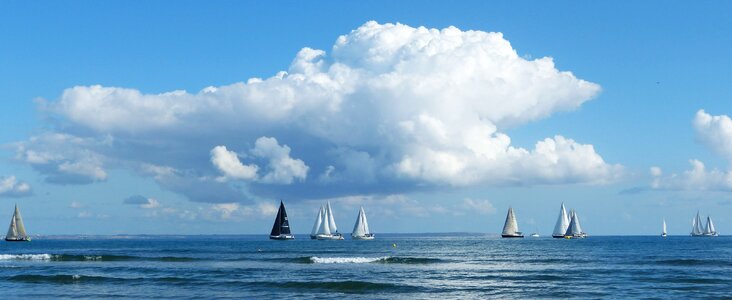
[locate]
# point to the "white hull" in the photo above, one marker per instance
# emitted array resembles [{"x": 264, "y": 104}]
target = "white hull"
[
  {"x": 363, "y": 237},
  {"x": 329, "y": 237},
  {"x": 706, "y": 235},
  {"x": 282, "y": 237}
]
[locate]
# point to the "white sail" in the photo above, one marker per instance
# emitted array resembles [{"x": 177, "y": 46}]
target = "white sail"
[
  {"x": 325, "y": 229},
  {"x": 359, "y": 229},
  {"x": 562, "y": 223},
  {"x": 697, "y": 227},
  {"x": 19, "y": 223},
  {"x": 664, "y": 226},
  {"x": 331, "y": 220},
  {"x": 12, "y": 230},
  {"x": 318, "y": 221},
  {"x": 511, "y": 226},
  {"x": 365, "y": 222},
  {"x": 574, "y": 228},
  {"x": 577, "y": 222},
  {"x": 710, "y": 227}
]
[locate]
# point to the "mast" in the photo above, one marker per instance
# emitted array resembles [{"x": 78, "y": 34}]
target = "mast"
[
  {"x": 318, "y": 221},
  {"x": 511, "y": 226}
]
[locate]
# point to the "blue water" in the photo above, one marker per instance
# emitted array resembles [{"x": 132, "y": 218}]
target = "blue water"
[{"x": 420, "y": 266}]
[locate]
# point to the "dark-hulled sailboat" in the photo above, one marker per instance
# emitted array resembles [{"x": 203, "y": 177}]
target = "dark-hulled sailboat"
[
  {"x": 281, "y": 227},
  {"x": 16, "y": 231}
]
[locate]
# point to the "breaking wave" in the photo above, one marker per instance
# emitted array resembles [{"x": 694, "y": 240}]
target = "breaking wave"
[{"x": 365, "y": 260}]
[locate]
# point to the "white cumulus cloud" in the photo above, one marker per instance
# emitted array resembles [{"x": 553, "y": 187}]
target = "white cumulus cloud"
[{"x": 390, "y": 106}]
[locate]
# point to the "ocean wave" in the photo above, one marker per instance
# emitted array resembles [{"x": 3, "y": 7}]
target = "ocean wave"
[
  {"x": 91, "y": 257},
  {"x": 62, "y": 278},
  {"x": 366, "y": 260},
  {"x": 26, "y": 256},
  {"x": 350, "y": 286}
]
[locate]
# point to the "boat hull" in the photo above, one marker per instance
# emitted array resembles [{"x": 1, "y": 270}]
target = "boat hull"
[
  {"x": 282, "y": 237},
  {"x": 18, "y": 240},
  {"x": 511, "y": 236},
  {"x": 558, "y": 236},
  {"x": 326, "y": 237},
  {"x": 363, "y": 237}
]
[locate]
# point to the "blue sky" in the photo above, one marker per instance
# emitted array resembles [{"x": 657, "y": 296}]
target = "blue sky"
[{"x": 651, "y": 67}]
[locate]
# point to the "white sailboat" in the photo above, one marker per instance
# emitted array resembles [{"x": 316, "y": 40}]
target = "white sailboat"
[
  {"x": 574, "y": 230},
  {"x": 663, "y": 233},
  {"x": 510, "y": 228},
  {"x": 562, "y": 224},
  {"x": 16, "y": 231},
  {"x": 361, "y": 228},
  {"x": 698, "y": 231},
  {"x": 325, "y": 227}
]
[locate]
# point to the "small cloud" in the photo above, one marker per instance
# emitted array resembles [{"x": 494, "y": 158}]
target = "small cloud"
[
  {"x": 75, "y": 204},
  {"x": 142, "y": 201},
  {"x": 633, "y": 190},
  {"x": 11, "y": 187},
  {"x": 484, "y": 207}
]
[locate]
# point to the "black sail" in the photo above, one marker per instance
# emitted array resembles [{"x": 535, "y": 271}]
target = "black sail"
[{"x": 281, "y": 224}]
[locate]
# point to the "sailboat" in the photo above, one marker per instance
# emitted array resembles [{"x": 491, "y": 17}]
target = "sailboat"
[
  {"x": 510, "y": 228},
  {"x": 281, "y": 227},
  {"x": 562, "y": 224},
  {"x": 698, "y": 231},
  {"x": 325, "y": 227},
  {"x": 16, "y": 231},
  {"x": 663, "y": 234},
  {"x": 361, "y": 228},
  {"x": 574, "y": 230}
]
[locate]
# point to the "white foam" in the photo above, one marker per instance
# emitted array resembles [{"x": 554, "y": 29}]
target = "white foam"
[
  {"x": 25, "y": 256},
  {"x": 346, "y": 260}
]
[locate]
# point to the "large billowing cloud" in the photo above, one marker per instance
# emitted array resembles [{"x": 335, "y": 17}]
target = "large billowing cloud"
[
  {"x": 12, "y": 187},
  {"x": 714, "y": 132},
  {"x": 390, "y": 108}
]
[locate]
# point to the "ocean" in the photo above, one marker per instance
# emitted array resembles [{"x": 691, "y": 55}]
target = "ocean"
[{"x": 394, "y": 266}]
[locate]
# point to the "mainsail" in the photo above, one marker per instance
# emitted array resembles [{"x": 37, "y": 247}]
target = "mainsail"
[
  {"x": 574, "y": 228},
  {"x": 331, "y": 220},
  {"x": 664, "y": 227},
  {"x": 16, "y": 231},
  {"x": 710, "y": 227},
  {"x": 562, "y": 223},
  {"x": 281, "y": 224},
  {"x": 362, "y": 226},
  {"x": 697, "y": 226},
  {"x": 511, "y": 226},
  {"x": 318, "y": 222},
  {"x": 324, "y": 227}
]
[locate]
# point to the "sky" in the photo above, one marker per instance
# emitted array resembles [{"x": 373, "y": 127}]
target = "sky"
[{"x": 199, "y": 117}]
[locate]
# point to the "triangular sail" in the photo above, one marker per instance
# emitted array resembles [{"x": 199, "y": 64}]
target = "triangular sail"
[
  {"x": 284, "y": 222},
  {"x": 12, "y": 230},
  {"x": 573, "y": 228},
  {"x": 331, "y": 220},
  {"x": 709, "y": 229},
  {"x": 325, "y": 227},
  {"x": 511, "y": 226},
  {"x": 664, "y": 226},
  {"x": 697, "y": 229},
  {"x": 562, "y": 223},
  {"x": 358, "y": 228},
  {"x": 19, "y": 223},
  {"x": 318, "y": 222},
  {"x": 277, "y": 226},
  {"x": 365, "y": 222}
]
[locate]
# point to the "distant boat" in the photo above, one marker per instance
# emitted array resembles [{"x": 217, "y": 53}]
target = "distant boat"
[
  {"x": 562, "y": 224},
  {"x": 510, "y": 228},
  {"x": 534, "y": 234},
  {"x": 16, "y": 231},
  {"x": 325, "y": 226},
  {"x": 281, "y": 227},
  {"x": 707, "y": 231},
  {"x": 361, "y": 228},
  {"x": 574, "y": 230},
  {"x": 663, "y": 234}
]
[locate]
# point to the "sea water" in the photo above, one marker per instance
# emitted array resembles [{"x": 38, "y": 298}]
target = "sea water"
[{"x": 390, "y": 267}]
